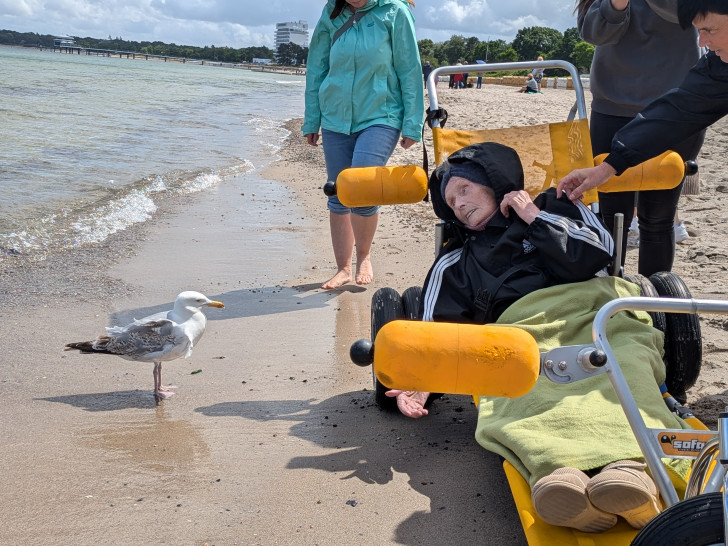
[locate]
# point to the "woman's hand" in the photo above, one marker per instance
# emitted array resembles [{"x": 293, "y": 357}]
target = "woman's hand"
[
  {"x": 521, "y": 203},
  {"x": 312, "y": 139},
  {"x": 578, "y": 181},
  {"x": 406, "y": 142},
  {"x": 410, "y": 403}
]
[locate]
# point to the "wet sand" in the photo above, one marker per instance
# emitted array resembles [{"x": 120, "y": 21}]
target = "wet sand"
[{"x": 277, "y": 440}]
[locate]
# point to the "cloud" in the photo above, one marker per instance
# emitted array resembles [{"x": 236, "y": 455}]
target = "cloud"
[{"x": 246, "y": 23}]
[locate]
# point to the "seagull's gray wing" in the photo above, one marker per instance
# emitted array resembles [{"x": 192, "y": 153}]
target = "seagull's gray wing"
[{"x": 145, "y": 340}]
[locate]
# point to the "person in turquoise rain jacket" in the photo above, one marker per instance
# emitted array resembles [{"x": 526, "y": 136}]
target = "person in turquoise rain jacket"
[{"x": 364, "y": 92}]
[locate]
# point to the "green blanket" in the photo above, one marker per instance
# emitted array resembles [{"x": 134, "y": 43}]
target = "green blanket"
[{"x": 581, "y": 424}]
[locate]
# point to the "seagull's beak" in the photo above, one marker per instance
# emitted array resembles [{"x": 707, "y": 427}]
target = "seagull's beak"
[{"x": 217, "y": 304}]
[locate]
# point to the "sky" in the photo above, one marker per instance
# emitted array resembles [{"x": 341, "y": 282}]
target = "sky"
[{"x": 247, "y": 23}]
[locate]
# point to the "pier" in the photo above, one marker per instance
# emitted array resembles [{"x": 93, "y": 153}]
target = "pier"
[{"x": 70, "y": 47}]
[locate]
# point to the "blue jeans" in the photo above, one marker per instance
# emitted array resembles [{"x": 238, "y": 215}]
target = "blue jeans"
[{"x": 370, "y": 147}]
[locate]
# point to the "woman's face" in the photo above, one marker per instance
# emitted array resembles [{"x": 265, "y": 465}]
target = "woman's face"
[
  {"x": 356, "y": 4},
  {"x": 472, "y": 203}
]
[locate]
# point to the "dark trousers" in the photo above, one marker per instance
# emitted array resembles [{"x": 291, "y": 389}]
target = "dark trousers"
[{"x": 655, "y": 209}]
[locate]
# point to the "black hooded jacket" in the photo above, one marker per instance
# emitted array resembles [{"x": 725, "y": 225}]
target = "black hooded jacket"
[
  {"x": 700, "y": 101},
  {"x": 478, "y": 274}
]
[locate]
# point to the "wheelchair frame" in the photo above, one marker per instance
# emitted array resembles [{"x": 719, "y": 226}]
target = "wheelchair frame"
[{"x": 709, "y": 449}]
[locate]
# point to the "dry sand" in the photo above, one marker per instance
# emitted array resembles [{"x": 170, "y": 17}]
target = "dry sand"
[{"x": 277, "y": 440}]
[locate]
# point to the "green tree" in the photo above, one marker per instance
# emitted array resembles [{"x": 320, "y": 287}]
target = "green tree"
[
  {"x": 471, "y": 45},
  {"x": 531, "y": 42},
  {"x": 583, "y": 55},
  {"x": 565, "y": 51},
  {"x": 454, "y": 49},
  {"x": 508, "y": 55},
  {"x": 290, "y": 54},
  {"x": 427, "y": 49}
]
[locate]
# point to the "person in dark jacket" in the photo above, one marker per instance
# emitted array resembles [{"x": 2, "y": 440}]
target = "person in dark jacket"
[
  {"x": 700, "y": 101},
  {"x": 503, "y": 244},
  {"x": 640, "y": 53}
]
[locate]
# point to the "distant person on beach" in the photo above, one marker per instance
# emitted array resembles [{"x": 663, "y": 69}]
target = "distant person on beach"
[
  {"x": 641, "y": 52},
  {"x": 426, "y": 70},
  {"x": 686, "y": 111},
  {"x": 360, "y": 123},
  {"x": 530, "y": 86},
  {"x": 538, "y": 74}
]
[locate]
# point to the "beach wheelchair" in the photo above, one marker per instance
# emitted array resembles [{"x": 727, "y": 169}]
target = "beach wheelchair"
[{"x": 505, "y": 361}]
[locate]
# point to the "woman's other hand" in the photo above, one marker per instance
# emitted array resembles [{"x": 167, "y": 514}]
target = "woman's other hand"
[
  {"x": 578, "y": 181},
  {"x": 312, "y": 139},
  {"x": 521, "y": 203},
  {"x": 406, "y": 142},
  {"x": 410, "y": 403}
]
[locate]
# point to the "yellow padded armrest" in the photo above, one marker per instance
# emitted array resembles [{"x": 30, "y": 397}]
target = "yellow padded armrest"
[
  {"x": 663, "y": 172},
  {"x": 472, "y": 359},
  {"x": 370, "y": 186}
]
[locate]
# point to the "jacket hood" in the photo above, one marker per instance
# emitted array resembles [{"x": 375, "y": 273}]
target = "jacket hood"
[{"x": 502, "y": 167}]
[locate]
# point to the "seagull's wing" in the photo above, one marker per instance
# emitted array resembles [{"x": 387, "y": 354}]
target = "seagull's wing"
[{"x": 146, "y": 340}]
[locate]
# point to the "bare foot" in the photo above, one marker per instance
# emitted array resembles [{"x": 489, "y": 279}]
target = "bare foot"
[
  {"x": 342, "y": 277},
  {"x": 364, "y": 271},
  {"x": 410, "y": 403}
]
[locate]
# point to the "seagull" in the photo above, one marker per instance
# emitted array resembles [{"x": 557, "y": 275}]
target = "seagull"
[{"x": 157, "y": 338}]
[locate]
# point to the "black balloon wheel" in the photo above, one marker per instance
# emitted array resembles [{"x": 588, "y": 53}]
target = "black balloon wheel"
[
  {"x": 648, "y": 290},
  {"x": 411, "y": 302},
  {"x": 386, "y": 307},
  {"x": 697, "y": 521},
  {"x": 683, "y": 341}
]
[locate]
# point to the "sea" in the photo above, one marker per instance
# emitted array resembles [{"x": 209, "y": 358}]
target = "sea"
[{"x": 90, "y": 145}]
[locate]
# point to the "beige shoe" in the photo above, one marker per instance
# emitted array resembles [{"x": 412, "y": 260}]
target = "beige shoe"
[
  {"x": 560, "y": 499},
  {"x": 624, "y": 488}
]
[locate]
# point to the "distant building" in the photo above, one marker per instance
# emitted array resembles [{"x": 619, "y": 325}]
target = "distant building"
[
  {"x": 292, "y": 33},
  {"x": 256, "y": 60},
  {"x": 64, "y": 41}
]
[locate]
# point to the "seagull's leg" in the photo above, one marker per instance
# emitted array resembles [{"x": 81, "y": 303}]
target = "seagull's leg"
[
  {"x": 157, "y": 373},
  {"x": 160, "y": 391}
]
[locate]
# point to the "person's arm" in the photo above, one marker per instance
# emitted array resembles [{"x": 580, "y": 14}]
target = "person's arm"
[
  {"x": 406, "y": 63},
  {"x": 603, "y": 23},
  {"x": 700, "y": 101},
  {"x": 573, "y": 241},
  {"x": 317, "y": 68}
]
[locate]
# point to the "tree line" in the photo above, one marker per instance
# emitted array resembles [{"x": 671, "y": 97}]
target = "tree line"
[
  {"x": 528, "y": 44},
  {"x": 206, "y": 53}
]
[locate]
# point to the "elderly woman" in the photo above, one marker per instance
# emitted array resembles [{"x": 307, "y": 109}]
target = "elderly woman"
[{"x": 540, "y": 265}]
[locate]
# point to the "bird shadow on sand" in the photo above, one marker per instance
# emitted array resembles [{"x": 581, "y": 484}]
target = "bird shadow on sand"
[
  {"x": 247, "y": 302},
  {"x": 438, "y": 454},
  {"x": 106, "y": 401}
]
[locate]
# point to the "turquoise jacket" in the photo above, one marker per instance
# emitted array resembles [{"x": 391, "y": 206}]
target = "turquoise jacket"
[{"x": 371, "y": 75}]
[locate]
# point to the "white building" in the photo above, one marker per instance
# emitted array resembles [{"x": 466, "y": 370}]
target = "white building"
[{"x": 295, "y": 32}]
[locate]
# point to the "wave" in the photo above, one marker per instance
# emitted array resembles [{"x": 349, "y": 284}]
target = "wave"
[{"x": 95, "y": 222}]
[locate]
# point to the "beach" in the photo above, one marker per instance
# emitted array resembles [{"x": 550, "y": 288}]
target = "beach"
[{"x": 277, "y": 440}]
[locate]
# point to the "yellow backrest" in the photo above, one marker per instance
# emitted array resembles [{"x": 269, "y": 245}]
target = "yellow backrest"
[{"x": 548, "y": 152}]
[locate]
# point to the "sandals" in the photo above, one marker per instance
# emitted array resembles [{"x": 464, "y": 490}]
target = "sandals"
[
  {"x": 560, "y": 499},
  {"x": 568, "y": 498},
  {"x": 625, "y": 489}
]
